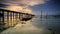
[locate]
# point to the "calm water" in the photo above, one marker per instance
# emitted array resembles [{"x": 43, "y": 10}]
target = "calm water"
[{"x": 38, "y": 25}]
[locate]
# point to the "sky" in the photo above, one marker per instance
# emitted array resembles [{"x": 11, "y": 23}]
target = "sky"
[{"x": 50, "y": 7}]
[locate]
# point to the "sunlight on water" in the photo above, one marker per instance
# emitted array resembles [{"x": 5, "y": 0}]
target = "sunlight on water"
[
  {"x": 27, "y": 28},
  {"x": 35, "y": 26}
]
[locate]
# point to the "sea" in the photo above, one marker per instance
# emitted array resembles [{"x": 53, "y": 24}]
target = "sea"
[{"x": 37, "y": 25}]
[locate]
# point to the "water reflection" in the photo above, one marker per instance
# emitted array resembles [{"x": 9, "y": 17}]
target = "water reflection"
[
  {"x": 51, "y": 23},
  {"x": 36, "y": 26}
]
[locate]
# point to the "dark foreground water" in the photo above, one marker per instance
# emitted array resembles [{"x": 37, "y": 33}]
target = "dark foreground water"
[{"x": 38, "y": 25}]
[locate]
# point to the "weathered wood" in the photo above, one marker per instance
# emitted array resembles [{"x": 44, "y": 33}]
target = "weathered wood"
[{"x": 11, "y": 17}]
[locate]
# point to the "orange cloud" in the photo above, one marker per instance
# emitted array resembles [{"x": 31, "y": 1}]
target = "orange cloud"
[
  {"x": 19, "y": 9},
  {"x": 17, "y": 5},
  {"x": 24, "y": 2}
]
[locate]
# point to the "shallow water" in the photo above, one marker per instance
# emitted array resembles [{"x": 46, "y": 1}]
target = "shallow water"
[{"x": 37, "y": 25}]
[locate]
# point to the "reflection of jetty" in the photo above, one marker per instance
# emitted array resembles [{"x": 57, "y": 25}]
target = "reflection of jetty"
[{"x": 11, "y": 18}]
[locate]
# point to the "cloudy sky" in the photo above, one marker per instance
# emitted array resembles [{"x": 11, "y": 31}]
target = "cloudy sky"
[
  {"x": 33, "y": 6},
  {"x": 51, "y": 7}
]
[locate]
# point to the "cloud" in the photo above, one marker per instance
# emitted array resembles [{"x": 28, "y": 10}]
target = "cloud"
[
  {"x": 24, "y": 2},
  {"x": 18, "y": 9},
  {"x": 16, "y": 5}
]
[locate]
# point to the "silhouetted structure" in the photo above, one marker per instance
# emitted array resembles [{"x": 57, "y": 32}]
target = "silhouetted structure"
[{"x": 11, "y": 18}]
